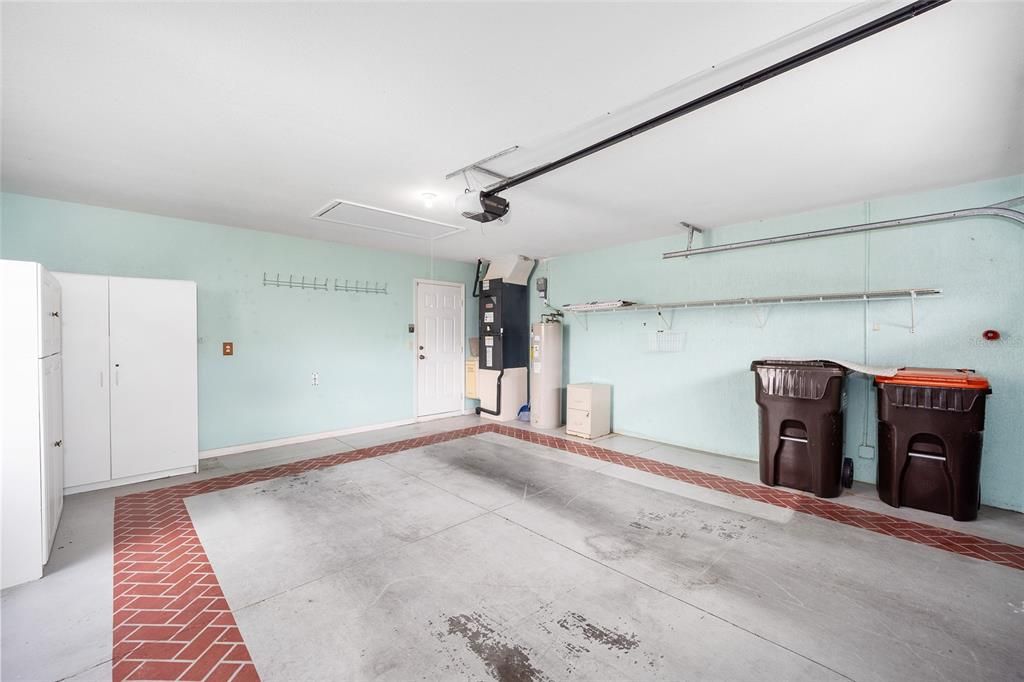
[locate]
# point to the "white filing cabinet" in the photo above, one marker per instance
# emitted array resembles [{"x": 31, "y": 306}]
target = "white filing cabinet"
[{"x": 588, "y": 410}]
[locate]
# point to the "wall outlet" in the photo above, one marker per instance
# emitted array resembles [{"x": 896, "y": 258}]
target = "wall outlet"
[
  {"x": 316, "y": 378},
  {"x": 866, "y": 452}
]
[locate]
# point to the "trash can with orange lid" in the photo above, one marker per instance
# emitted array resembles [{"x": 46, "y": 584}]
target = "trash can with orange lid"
[{"x": 930, "y": 426}]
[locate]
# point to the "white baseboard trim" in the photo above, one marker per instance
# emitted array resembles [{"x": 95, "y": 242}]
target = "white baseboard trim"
[
  {"x": 292, "y": 440},
  {"x": 501, "y": 418},
  {"x": 443, "y": 415},
  {"x": 128, "y": 480}
]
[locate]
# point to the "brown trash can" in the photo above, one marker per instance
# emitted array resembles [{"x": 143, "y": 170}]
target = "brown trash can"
[
  {"x": 930, "y": 426},
  {"x": 801, "y": 421}
]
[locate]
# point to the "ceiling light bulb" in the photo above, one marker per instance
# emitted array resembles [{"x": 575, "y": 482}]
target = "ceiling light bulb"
[{"x": 428, "y": 199}]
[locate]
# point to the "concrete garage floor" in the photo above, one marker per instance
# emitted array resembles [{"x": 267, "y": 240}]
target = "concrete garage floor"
[{"x": 491, "y": 557}]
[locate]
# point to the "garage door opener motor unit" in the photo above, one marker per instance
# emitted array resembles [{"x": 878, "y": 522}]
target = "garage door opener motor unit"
[{"x": 504, "y": 337}]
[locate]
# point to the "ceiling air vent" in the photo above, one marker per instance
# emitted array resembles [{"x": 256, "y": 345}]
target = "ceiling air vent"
[{"x": 382, "y": 220}]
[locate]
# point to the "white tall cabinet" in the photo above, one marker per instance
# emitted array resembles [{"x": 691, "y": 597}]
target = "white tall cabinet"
[
  {"x": 130, "y": 380},
  {"x": 86, "y": 325},
  {"x": 31, "y": 428}
]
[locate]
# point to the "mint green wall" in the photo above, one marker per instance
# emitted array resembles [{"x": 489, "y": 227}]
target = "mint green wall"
[
  {"x": 703, "y": 398},
  {"x": 359, "y": 343}
]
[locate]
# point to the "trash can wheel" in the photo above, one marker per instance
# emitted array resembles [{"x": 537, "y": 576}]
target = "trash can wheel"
[{"x": 847, "y": 478}]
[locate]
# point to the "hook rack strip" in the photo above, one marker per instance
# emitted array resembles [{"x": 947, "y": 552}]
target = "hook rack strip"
[
  {"x": 363, "y": 288},
  {"x": 358, "y": 287}
]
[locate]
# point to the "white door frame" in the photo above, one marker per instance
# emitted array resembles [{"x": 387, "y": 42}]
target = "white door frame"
[{"x": 416, "y": 353}]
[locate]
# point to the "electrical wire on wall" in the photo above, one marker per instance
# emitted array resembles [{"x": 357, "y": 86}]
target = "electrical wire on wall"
[
  {"x": 543, "y": 262},
  {"x": 867, "y": 306}
]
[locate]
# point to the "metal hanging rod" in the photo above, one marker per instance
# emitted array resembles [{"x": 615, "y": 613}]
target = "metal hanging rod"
[
  {"x": 359, "y": 287},
  {"x": 809, "y": 55},
  {"x": 478, "y": 165},
  {"x": 1008, "y": 203},
  {"x": 995, "y": 211},
  {"x": 884, "y": 295}
]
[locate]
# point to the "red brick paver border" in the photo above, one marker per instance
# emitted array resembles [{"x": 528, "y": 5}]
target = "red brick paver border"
[
  {"x": 953, "y": 541},
  {"x": 171, "y": 621}
]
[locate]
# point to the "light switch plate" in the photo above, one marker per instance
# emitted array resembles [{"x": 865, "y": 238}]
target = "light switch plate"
[{"x": 866, "y": 452}]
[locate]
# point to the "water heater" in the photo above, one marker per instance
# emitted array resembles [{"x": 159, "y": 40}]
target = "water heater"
[{"x": 546, "y": 374}]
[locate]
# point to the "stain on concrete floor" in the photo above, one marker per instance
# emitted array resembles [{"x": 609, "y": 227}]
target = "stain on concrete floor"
[
  {"x": 505, "y": 661},
  {"x": 610, "y": 638}
]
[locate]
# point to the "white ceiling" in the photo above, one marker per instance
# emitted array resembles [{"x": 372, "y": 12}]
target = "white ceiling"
[{"x": 257, "y": 115}]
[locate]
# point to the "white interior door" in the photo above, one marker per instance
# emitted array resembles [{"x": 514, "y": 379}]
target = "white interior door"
[
  {"x": 440, "y": 360},
  {"x": 86, "y": 358},
  {"x": 153, "y": 397},
  {"x": 51, "y": 473}
]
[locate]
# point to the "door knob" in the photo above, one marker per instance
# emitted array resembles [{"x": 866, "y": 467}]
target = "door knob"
[{"x": 423, "y": 357}]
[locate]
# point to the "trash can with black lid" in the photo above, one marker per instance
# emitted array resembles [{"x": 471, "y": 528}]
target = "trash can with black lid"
[
  {"x": 801, "y": 420},
  {"x": 930, "y": 425}
]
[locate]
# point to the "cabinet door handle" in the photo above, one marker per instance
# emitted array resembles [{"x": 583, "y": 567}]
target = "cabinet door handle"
[{"x": 101, "y": 379}]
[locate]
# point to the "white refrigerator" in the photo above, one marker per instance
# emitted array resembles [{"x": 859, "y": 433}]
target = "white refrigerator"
[{"x": 31, "y": 419}]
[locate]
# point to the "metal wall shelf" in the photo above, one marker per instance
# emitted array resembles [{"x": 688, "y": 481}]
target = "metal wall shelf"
[
  {"x": 756, "y": 301},
  {"x": 888, "y": 295}
]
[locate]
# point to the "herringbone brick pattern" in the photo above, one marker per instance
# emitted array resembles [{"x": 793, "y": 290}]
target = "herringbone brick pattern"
[
  {"x": 912, "y": 531},
  {"x": 171, "y": 621}
]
